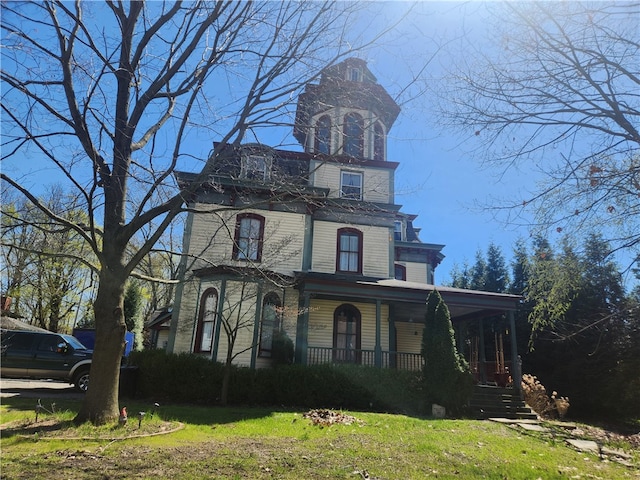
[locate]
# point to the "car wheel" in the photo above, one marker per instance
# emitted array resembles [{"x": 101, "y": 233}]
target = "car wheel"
[{"x": 81, "y": 381}]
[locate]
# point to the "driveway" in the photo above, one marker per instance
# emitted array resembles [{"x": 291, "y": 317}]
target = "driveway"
[{"x": 10, "y": 387}]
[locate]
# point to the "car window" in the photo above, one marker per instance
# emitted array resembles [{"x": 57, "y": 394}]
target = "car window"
[
  {"x": 49, "y": 343},
  {"x": 17, "y": 341},
  {"x": 74, "y": 342}
]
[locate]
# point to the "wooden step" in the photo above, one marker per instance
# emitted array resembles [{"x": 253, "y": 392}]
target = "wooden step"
[{"x": 490, "y": 401}]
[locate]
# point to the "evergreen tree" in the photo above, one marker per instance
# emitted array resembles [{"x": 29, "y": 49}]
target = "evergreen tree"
[
  {"x": 478, "y": 272},
  {"x": 448, "y": 381},
  {"x": 496, "y": 277}
]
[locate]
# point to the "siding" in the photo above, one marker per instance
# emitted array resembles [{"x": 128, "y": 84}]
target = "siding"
[
  {"x": 375, "y": 244},
  {"x": 376, "y": 181},
  {"x": 212, "y": 239},
  {"x": 416, "y": 272},
  {"x": 321, "y": 324},
  {"x": 406, "y": 339}
]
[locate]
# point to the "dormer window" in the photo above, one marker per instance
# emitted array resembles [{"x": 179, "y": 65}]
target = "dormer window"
[
  {"x": 398, "y": 231},
  {"x": 255, "y": 167},
  {"x": 355, "y": 74},
  {"x": 351, "y": 185},
  {"x": 353, "y": 130},
  {"x": 323, "y": 135}
]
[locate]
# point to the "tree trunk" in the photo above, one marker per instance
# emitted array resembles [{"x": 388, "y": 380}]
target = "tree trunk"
[{"x": 100, "y": 405}]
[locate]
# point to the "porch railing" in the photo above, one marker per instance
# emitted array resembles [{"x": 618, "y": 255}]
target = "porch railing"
[{"x": 397, "y": 360}]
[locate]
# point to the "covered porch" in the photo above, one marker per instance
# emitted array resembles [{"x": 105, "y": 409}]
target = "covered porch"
[{"x": 379, "y": 322}]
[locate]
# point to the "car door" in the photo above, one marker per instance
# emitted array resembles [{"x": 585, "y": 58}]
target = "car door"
[
  {"x": 51, "y": 358},
  {"x": 17, "y": 353}
]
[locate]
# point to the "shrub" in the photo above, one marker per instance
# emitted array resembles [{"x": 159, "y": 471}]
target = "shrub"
[
  {"x": 189, "y": 378},
  {"x": 535, "y": 395},
  {"x": 447, "y": 379}
]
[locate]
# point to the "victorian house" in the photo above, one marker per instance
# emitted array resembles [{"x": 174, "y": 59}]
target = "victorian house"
[{"x": 312, "y": 244}]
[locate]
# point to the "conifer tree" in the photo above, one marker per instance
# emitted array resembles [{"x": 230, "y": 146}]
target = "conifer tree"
[{"x": 448, "y": 381}]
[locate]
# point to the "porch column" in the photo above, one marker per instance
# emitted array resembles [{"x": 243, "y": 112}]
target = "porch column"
[
  {"x": 516, "y": 368},
  {"x": 302, "y": 329},
  {"x": 378, "y": 347},
  {"x": 483, "y": 357},
  {"x": 256, "y": 328}
]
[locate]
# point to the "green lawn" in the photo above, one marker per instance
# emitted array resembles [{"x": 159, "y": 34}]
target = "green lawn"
[{"x": 261, "y": 443}]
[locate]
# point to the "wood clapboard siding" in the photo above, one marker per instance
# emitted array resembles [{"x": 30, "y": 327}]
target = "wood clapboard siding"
[
  {"x": 416, "y": 272},
  {"x": 406, "y": 339},
  {"x": 375, "y": 182},
  {"x": 212, "y": 239},
  {"x": 321, "y": 324},
  {"x": 375, "y": 248}
]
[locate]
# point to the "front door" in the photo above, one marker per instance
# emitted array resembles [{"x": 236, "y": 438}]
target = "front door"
[{"x": 346, "y": 334}]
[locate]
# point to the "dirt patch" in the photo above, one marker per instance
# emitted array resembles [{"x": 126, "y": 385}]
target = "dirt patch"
[{"x": 53, "y": 428}]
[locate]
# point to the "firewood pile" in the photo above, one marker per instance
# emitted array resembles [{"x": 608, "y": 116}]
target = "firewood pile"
[{"x": 325, "y": 417}]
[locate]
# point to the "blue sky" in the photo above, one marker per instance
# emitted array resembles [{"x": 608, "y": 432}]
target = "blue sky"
[{"x": 438, "y": 178}]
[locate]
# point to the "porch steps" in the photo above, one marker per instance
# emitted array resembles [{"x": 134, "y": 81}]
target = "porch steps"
[{"x": 489, "y": 401}]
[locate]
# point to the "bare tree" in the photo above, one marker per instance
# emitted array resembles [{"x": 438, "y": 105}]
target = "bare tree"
[
  {"x": 43, "y": 264},
  {"x": 117, "y": 96},
  {"x": 556, "y": 92}
]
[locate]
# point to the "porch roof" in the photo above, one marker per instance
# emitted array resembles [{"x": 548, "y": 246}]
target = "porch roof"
[{"x": 408, "y": 298}]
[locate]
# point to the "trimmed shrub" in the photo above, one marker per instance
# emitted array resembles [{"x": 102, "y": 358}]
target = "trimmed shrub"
[{"x": 189, "y": 378}]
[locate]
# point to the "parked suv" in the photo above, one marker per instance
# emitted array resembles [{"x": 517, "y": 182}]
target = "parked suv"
[{"x": 41, "y": 355}]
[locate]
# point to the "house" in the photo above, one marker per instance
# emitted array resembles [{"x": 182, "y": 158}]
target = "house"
[{"x": 311, "y": 243}]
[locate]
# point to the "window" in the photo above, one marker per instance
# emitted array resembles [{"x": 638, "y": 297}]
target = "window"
[
  {"x": 398, "y": 231},
  {"x": 378, "y": 142},
  {"x": 271, "y": 309},
  {"x": 255, "y": 167},
  {"x": 349, "y": 254},
  {"x": 248, "y": 237},
  {"x": 346, "y": 334},
  {"x": 400, "y": 272},
  {"x": 355, "y": 74},
  {"x": 206, "y": 321},
  {"x": 323, "y": 135},
  {"x": 351, "y": 185},
  {"x": 353, "y": 135}
]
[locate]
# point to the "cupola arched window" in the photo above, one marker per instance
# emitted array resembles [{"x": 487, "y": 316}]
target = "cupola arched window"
[
  {"x": 378, "y": 142},
  {"x": 323, "y": 135},
  {"x": 353, "y": 135}
]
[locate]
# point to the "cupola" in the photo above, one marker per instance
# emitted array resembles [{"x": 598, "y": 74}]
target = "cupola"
[{"x": 347, "y": 113}]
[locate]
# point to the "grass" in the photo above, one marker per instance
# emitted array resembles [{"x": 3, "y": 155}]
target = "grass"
[{"x": 238, "y": 443}]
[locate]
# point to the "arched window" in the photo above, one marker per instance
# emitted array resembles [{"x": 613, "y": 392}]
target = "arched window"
[
  {"x": 346, "y": 334},
  {"x": 271, "y": 315},
  {"x": 206, "y": 321},
  {"x": 378, "y": 142},
  {"x": 323, "y": 135},
  {"x": 353, "y": 135},
  {"x": 349, "y": 251},
  {"x": 248, "y": 237}
]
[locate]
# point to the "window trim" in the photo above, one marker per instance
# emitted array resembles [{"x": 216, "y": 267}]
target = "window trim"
[
  {"x": 271, "y": 298},
  {"x": 236, "y": 239},
  {"x": 358, "y": 122},
  {"x": 197, "y": 347},
  {"x": 357, "y": 316},
  {"x": 400, "y": 268},
  {"x": 400, "y": 231},
  {"x": 351, "y": 196},
  {"x": 349, "y": 231},
  {"x": 323, "y": 122},
  {"x": 378, "y": 142},
  {"x": 246, "y": 172}
]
